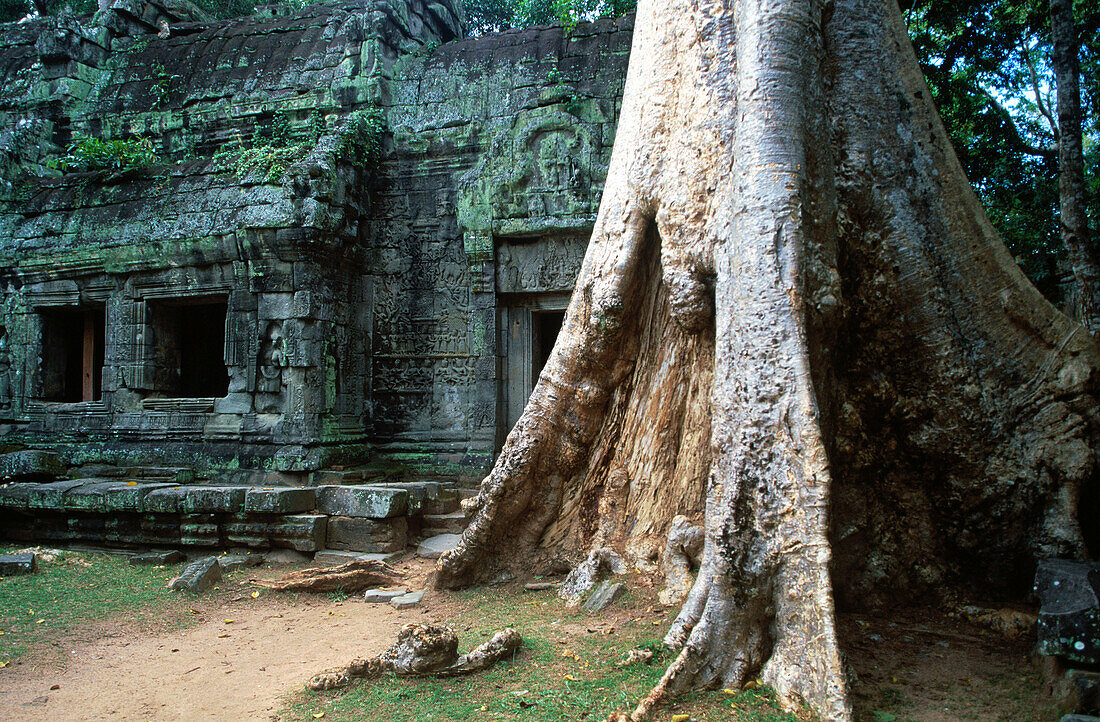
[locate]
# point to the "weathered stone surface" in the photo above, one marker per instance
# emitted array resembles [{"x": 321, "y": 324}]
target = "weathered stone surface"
[
  {"x": 540, "y": 586},
  {"x": 303, "y": 532},
  {"x": 286, "y": 556},
  {"x": 15, "y": 495},
  {"x": 129, "y": 496},
  {"x": 452, "y": 523},
  {"x": 279, "y": 501},
  {"x": 50, "y": 496},
  {"x": 200, "y": 530},
  {"x": 331, "y": 557},
  {"x": 210, "y": 499},
  {"x": 604, "y": 593},
  {"x": 89, "y": 496},
  {"x": 1079, "y": 718},
  {"x": 366, "y": 535},
  {"x": 407, "y": 601},
  {"x": 1069, "y": 612},
  {"x": 436, "y": 546},
  {"x": 164, "y": 500},
  {"x": 383, "y": 596},
  {"x": 29, "y": 464},
  {"x": 198, "y": 576},
  {"x": 12, "y": 565},
  {"x": 368, "y": 502},
  {"x": 233, "y": 562},
  {"x": 1077, "y": 691},
  {"x": 157, "y": 558}
]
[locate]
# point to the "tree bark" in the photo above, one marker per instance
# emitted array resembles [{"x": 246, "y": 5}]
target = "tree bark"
[
  {"x": 1071, "y": 166},
  {"x": 795, "y": 323}
]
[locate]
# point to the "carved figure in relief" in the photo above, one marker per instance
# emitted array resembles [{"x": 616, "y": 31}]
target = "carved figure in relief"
[
  {"x": 5, "y": 371},
  {"x": 272, "y": 361}
]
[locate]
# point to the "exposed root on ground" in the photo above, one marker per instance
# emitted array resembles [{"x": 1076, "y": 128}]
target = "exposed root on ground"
[
  {"x": 351, "y": 577},
  {"x": 422, "y": 650}
]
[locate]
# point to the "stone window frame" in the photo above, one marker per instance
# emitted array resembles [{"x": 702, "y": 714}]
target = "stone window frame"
[{"x": 74, "y": 296}]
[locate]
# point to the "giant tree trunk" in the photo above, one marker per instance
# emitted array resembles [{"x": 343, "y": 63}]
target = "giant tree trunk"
[
  {"x": 795, "y": 323},
  {"x": 1071, "y": 165}
]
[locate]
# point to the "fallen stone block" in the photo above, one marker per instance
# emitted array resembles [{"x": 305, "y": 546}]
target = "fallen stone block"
[
  {"x": 383, "y": 596},
  {"x": 233, "y": 562},
  {"x": 198, "y": 576},
  {"x": 407, "y": 601},
  {"x": 30, "y": 464},
  {"x": 279, "y": 501},
  {"x": 368, "y": 502},
  {"x": 436, "y": 546},
  {"x": 349, "y": 533},
  {"x": 604, "y": 593},
  {"x": 286, "y": 556},
  {"x": 157, "y": 558},
  {"x": 540, "y": 586},
  {"x": 14, "y": 565},
  {"x": 1069, "y": 611},
  {"x": 330, "y": 557}
]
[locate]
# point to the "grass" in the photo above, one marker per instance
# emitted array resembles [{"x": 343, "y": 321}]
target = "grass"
[
  {"x": 566, "y": 670},
  {"x": 78, "y": 589}
]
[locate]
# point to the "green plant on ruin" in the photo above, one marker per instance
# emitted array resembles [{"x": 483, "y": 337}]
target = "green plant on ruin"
[
  {"x": 362, "y": 136},
  {"x": 269, "y": 160},
  {"x": 91, "y": 154},
  {"x": 162, "y": 85}
]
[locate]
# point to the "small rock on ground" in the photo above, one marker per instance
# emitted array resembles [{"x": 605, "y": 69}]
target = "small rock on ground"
[
  {"x": 382, "y": 596},
  {"x": 233, "y": 562},
  {"x": 407, "y": 601},
  {"x": 436, "y": 546},
  {"x": 603, "y": 595},
  {"x": 198, "y": 576},
  {"x": 160, "y": 558},
  {"x": 540, "y": 586},
  {"x": 12, "y": 565},
  {"x": 286, "y": 556}
]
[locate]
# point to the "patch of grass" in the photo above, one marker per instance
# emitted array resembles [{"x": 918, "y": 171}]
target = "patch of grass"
[
  {"x": 76, "y": 589},
  {"x": 566, "y": 670}
]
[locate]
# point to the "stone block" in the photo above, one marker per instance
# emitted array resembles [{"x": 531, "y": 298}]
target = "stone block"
[
  {"x": 160, "y": 529},
  {"x": 200, "y": 530},
  {"x": 212, "y": 499},
  {"x": 434, "y": 547},
  {"x": 157, "y": 558},
  {"x": 30, "y": 464},
  {"x": 301, "y": 532},
  {"x": 1069, "y": 611},
  {"x": 383, "y": 596},
  {"x": 129, "y": 496},
  {"x": 50, "y": 496},
  {"x": 89, "y": 496},
  {"x": 198, "y": 576},
  {"x": 367, "y": 535},
  {"x": 279, "y": 501},
  {"x": 233, "y": 562},
  {"x": 13, "y": 565},
  {"x": 407, "y": 601},
  {"x": 452, "y": 523},
  {"x": 1077, "y": 692},
  {"x": 366, "y": 502},
  {"x": 332, "y": 557},
  {"x": 604, "y": 593},
  {"x": 330, "y": 477},
  {"x": 1079, "y": 718},
  {"x": 164, "y": 500},
  {"x": 15, "y": 495}
]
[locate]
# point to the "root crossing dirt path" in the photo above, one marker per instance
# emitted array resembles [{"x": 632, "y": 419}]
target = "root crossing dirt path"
[{"x": 217, "y": 670}]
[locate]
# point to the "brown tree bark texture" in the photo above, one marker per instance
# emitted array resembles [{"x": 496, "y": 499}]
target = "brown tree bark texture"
[{"x": 794, "y": 323}]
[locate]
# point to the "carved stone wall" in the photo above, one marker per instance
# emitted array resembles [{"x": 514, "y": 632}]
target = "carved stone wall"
[{"x": 361, "y": 301}]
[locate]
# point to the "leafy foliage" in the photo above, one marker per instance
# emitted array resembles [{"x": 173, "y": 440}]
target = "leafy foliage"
[
  {"x": 987, "y": 65},
  {"x": 89, "y": 154},
  {"x": 487, "y": 16}
]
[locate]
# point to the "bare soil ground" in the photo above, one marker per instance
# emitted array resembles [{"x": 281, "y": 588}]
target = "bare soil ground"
[{"x": 245, "y": 654}]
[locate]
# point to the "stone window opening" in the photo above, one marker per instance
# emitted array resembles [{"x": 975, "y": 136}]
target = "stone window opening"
[
  {"x": 73, "y": 342},
  {"x": 188, "y": 337}
]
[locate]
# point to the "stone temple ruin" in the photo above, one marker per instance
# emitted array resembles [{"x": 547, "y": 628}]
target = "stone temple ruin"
[{"x": 346, "y": 264}]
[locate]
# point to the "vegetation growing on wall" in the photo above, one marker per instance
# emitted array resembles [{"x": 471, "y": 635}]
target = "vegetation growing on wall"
[
  {"x": 488, "y": 16},
  {"x": 90, "y": 154}
]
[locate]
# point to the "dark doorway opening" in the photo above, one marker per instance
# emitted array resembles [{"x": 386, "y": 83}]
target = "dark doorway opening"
[
  {"x": 189, "y": 343},
  {"x": 545, "y": 327},
  {"x": 73, "y": 342}
]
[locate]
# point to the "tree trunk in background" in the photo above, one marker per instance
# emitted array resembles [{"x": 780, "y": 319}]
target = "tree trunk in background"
[
  {"x": 795, "y": 324},
  {"x": 1071, "y": 165}
]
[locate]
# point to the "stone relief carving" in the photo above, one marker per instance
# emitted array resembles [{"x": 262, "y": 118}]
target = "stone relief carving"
[
  {"x": 5, "y": 371},
  {"x": 271, "y": 364},
  {"x": 546, "y": 265}
]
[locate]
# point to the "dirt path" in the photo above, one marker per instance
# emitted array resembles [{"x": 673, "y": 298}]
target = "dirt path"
[{"x": 221, "y": 670}]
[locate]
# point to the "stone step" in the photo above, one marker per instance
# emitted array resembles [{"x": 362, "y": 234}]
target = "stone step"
[
  {"x": 453, "y": 523},
  {"x": 434, "y": 547}
]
